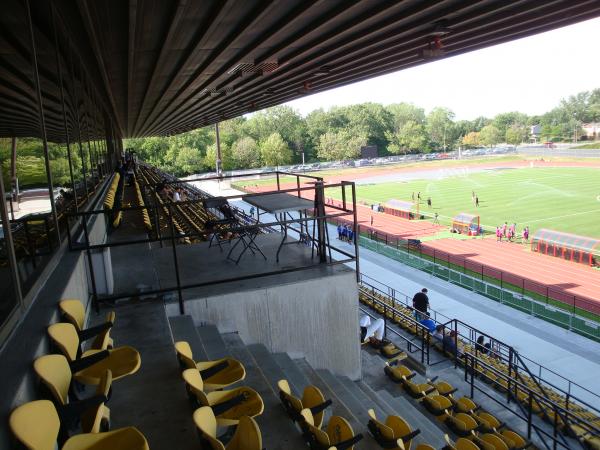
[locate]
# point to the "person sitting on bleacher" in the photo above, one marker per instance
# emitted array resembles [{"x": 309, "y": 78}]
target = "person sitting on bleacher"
[
  {"x": 371, "y": 331},
  {"x": 449, "y": 342},
  {"x": 439, "y": 333}
]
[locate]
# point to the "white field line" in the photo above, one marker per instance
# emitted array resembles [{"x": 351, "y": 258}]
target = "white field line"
[{"x": 565, "y": 215}]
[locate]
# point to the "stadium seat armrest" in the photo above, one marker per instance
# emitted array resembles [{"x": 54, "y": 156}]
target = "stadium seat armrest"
[
  {"x": 89, "y": 333},
  {"x": 220, "y": 408},
  {"x": 213, "y": 370},
  {"x": 348, "y": 443},
  {"x": 411, "y": 376},
  {"x": 319, "y": 408},
  {"x": 87, "y": 361},
  {"x": 72, "y": 411},
  {"x": 433, "y": 380},
  {"x": 429, "y": 391},
  {"x": 410, "y": 435}
]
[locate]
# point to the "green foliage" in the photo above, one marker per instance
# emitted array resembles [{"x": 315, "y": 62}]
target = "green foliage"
[
  {"x": 245, "y": 153},
  {"x": 340, "y": 145},
  {"x": 274, "y": 151},
  {"x": 490, "y": 135},
  {"x": 409, "y": 137},
  {"x": 516, "y": 134},
  {"x": 440, "y": 128},
  {"x": 472, "y": 139}
]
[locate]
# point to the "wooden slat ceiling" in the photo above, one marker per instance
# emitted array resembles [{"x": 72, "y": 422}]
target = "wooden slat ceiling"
[{"x": 160, "y": 67}]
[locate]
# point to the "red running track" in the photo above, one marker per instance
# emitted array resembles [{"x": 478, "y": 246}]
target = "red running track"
[{"x": 568, "y": 282}]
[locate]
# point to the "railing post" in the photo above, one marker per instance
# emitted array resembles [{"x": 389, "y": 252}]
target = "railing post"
[
  {"x": 173, "y": 244},
  {"x": 529, "y": 413}
]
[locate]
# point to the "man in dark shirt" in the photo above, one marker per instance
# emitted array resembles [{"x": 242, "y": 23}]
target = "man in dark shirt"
[{"x": 421, "y": 303}]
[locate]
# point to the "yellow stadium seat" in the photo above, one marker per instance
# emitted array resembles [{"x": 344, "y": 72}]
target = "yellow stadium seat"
[
  {"x": 395, "y": 433},
  {"x": 399, "y": 373},
  {"x": 418, "y": 390},
  {"x": 339, "y": 433},
  {"x": 487, "y": 422},
  {"x": 462, "y": 424},
  {"x": 247, "y": 434},
  {"x": 73, "y": 312},
  {"x": 466, "y": 405},
  {"x": 460, "y": 444},
  {"x": 36, "y": 426},
  {"x": 391, "y": 351},
  {"x": 515, "y": 441},
  {"x": 490, "y": 441},
  {"x": 55, "y": 375},
  {"x": 89, "y": 366},
  {"x": 312, "y": 398},
  {"x": 438, "y": 405},
  {"x": 227, "y": 406},
  {"x": 217, "y": 374}
]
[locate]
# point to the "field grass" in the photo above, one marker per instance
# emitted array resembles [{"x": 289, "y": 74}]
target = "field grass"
[{"x": 562, "y": 198}]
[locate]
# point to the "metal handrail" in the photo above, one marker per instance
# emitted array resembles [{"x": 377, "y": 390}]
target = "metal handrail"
[{"x": 567, "y": 393}]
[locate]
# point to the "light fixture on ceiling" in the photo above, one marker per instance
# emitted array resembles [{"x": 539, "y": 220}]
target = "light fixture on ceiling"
[{"x": 323, "y": 70}]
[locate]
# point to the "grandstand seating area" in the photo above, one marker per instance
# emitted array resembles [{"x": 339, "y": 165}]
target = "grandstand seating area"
[{"x": 494, "y": 369}]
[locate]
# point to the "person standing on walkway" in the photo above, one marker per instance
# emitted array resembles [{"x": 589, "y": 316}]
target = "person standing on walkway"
[
  {"x": 421, "y": 304},
  {"x": 476, "y": 201}
]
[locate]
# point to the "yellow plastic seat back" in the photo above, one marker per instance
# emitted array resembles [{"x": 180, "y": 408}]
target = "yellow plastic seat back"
[
  {"x": 64, "y": 336},
  {"x": 195, "y": 385},
  {"x": 54, "y": 372},
  {"x": 465, "y": 444},
  {"x": 495, "y": 442},
  {"x": 73, "y": 311},
  {"x": 247, "y": 436},
  {"x": 339, "y": 430},
  {"x": 285, "y": 394},
  {"x": 184, "y": 354},
  {"x": 512, "y": 439},
  {"x": 465, "y": 422},
  {"x": 36, "y": 425},
  {"x": 386, "y": 431},
  {"x": 206, "y": 423},
  {"x": 312, "y": 397}
]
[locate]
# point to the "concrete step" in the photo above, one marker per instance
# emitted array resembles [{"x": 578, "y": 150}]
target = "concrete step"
[
  {"x": 381, "y": 407},
  {"x": 267, "y": 364},
  {"x": 212, "y": 342},
  {"x": 335, "y": 392},
  {"x": 183, "y": 329},
  {"x": 430, "y": 432},
  {"x": 293, "y": 374},
  {"x": 278, "y": 431}
]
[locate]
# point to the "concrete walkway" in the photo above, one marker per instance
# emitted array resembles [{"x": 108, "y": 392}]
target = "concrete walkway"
[{"x": 568, "y": 354}]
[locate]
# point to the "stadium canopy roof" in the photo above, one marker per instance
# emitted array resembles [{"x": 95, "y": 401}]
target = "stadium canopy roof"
[
  {"x": 566, "y": 240},
  {"x": 160, "y": 67},
  {"x": 465, "y": 218}
]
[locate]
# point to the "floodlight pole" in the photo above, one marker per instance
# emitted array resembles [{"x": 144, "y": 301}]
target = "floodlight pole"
[{"x": 218, "y": 159}]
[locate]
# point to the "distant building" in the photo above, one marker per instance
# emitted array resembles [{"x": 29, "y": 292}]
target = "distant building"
[
  {"x": 591, "y": 130},
  {"x": 534, "y": 133}
]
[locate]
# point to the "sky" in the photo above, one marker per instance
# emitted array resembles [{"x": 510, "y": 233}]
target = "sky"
[{"x": 529, "y": 75}]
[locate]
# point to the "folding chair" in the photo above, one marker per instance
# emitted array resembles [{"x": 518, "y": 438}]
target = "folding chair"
[{"x": 219, "y": 208}]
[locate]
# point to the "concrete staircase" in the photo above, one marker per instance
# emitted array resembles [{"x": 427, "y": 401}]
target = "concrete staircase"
[{"x": 350, "y": 399}]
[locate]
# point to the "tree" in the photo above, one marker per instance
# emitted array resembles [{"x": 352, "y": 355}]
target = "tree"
[
  {"x": 516, "y": 134},
  {"x": 274, "y": 151},
  {"x": 506, "y": 120},
  {"x": 471, "y": 140},
  {"x": 188, "y": 161},
  {"x": 440, "y": 128},
  {"x": 210, "y": 160},
  {"x": 490, "y": 135},
  {"x": 339, "y": 146},
  {"x": 245, "y": 153},
  {"x": 279, "y": 119},
  {"x": 409, "y": 137}
]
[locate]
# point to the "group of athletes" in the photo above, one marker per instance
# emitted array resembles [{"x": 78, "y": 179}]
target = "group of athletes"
[{"x": 509, "y": 232}]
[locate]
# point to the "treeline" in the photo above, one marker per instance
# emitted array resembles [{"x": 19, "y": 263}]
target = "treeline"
[{"x": 280, "y": 136}]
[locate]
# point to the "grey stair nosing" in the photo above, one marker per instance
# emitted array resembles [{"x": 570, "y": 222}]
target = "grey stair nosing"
[
  {"x": 356, "y": 391},
  {"x": 213, "y": 342},
  {"x": 382, "y": 407},
  {"x": 351, "y": 402},
  {"x": 293, "y": 374},
  {"x": 183, "y": 329},
  {"x": 267, "y": 364}
]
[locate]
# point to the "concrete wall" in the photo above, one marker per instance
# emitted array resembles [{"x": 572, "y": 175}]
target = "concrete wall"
[{"x": 316, "y": 319}]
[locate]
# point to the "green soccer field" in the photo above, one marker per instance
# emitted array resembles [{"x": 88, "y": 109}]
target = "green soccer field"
[{"x": 565, "y": 199}]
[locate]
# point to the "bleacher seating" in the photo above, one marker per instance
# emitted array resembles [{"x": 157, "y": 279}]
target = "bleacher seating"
[
  {"x": 36, "y": 425},
  {"x": 247, "y": 433},
  {"x": 89, "y": 366},
  {"x": 62, "y": 418},
  {"x": 217, "y": 374},
  {"x": 490, "y": 368}
]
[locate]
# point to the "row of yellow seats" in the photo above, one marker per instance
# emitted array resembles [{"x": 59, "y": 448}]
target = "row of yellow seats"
[
  {"x": 215, "y": 407},
  {"x": 109, "y": 200},
  {"x": 487, "y": 375},
  {"x": 461, "y": 415},
  {"x": 48, "y": 423},
  {"x": 308, "y": 413},
  {"x": 141, "y": 203}
]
